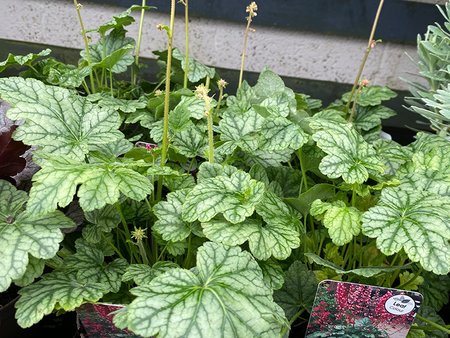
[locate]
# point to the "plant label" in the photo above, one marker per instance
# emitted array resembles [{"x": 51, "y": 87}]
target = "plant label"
[{"x": 344, "y": 309}]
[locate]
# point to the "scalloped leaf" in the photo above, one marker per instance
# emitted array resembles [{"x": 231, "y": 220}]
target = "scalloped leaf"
[
  {"x": 54, "y": 290},
  {"x": 143, "y": 274},
  {"x": 89, "y": 264},
  {"x": 101, "y": 221},
  {"x": 273, "y": 273},
  {"x": 225, "y": 296},
  {"x": 100, "y": 184},
  {"x": 170, "y": 224},
  {"x": 190, "y": 142},
  {"x": 343, "y": 222},
  {"x": 280, "y": 133},
  {"x": 276, "y": 237},
  {"x": 194, "y": 106},
  {"x": 112, "y": 52},
  {"x": 417, "y": 222},
  {"x": 23, "y": 233},
  {"x": 121, "y": 20},
  {"x": 196, "y": 70},
  {"x": 435, "y": 290},
  {"x": 239, "y": 131},
  {"x": 21, "y": 60},
  {"x": 35, "y": 269},
  {"x": 56, "y": 120},
  {"x": 348, "y": 155},
  {"x": 368, "y": 118},
  {"x": 298, "y": 291},
  {"x": 371, "y": 96},
  {"x": 105, "y": 100},
  {"x": 235, "y": 197}
]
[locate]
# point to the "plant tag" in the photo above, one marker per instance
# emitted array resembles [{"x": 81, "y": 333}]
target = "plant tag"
[
  {"x": 344, "y": 309},
  {"x": 95, "y": 320}
]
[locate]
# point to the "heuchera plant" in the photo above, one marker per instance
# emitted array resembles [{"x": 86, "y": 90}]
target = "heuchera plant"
[{"x": 210, "y": 214}]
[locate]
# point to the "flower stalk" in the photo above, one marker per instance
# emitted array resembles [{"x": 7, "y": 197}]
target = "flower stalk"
[
  {"x": 138, "y": 44},
  {"x": 165, "y": 141},
  {"x": 186, "y": 31},
  {"x": 251, "y": 10},
  {"x": 78, "y": 7},
  {"x": 201, "y": 92},
  {"x": 370, "y": 45}
]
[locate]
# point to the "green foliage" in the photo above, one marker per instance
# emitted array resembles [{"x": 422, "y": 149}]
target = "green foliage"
[
  {"x": 292, "y": 193},
  {"x": 417, "y": 222},
  {"x": 56, "y": 120},
  {"x": 25, "y": 236},
  {"x": 226, "y": 289}
]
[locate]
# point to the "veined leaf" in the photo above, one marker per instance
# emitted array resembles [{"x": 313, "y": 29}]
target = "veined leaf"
[
  {"x": 196, "y": 70},
  {"x": 113, "y": 51},
  {"x": 240, "y": 131},
  {"x": 273, "y": 273},
  {"x": 143, "y": 274},
  {"x": 57, "y": 120},
  {"x": 89, "y": 264},
  {"x": 241, "y": 103},
  {"x": 105, "y": 100},
  {"x": 435, "y": 290},
  {"x": 23, "y": 233},
  {"x": 101, "y": 221},
  {"x": 190, "y": 142},
  {"x": 170, "y": 224},
  {"x": 235, "y": 197},
  {"x": 348, "y": 155},
  {"x": 369, "y": 271},
  {"x": 121, "y": 20},
  {"x": 343, "y": 222},
  {"x": 100, "y": 184},
  {"x": 57, "y": 289},
  {"x": 22, "y": 59},
  {"x": 368, "y": 118},
  {"x": 415, "y": 221},
  {"x": 225, "y": 296},
  {"x": 280, "y": 133},
  {"x": 210, "y": 170},
  {"x": 371, "y": 96},
  {"x": 35, "y": 269},
  {"x": 193, "y": 106},
  {"x": 298, "y": 291},
  {"x": 276, "y": 237}
]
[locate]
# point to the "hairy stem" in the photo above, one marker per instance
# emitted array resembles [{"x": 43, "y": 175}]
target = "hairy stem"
[
  {"x": 244, "y": 49},
  {"x": 186, "y": 31},
  {"x": 209, "y": 117},
  {"x": 366, "y": 55},
  {"x": 86, "y": 44},
  {"x": 138, "y": 44},
  {"x": 165, "y": 141}
]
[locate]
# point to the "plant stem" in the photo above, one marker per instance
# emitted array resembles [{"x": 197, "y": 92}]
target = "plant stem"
[
  {"x": 433, "y": 324},
  {"x": 86, "y": 43},
  {"x": 251, "y": 10},
  {"x": 138, "y": 43},
  {"x": 186, "y": 31},
  {"x": 366, "y": 55},
  {"x": 293, "y": 319},
  {"x": 165, "y": 141},
  {"x": 209, "y": 117}
]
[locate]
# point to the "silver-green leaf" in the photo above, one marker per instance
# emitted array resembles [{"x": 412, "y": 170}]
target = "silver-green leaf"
[
  {"x": 417, "y": 222},
  {"x": 56, "y": 119},
  {"x": 225, "y": 296}
]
